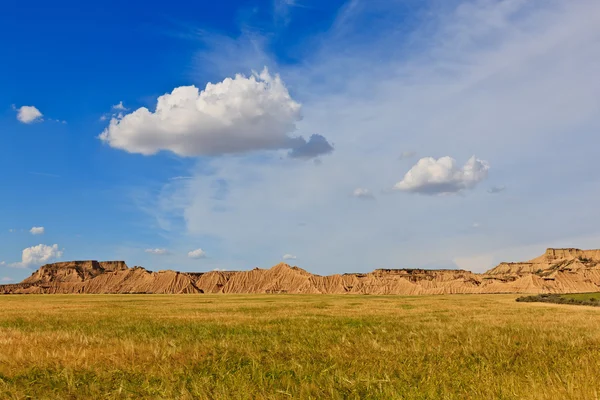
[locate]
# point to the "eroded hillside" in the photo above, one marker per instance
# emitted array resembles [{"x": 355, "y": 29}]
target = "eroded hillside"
[{"x": 556, "y": 271}]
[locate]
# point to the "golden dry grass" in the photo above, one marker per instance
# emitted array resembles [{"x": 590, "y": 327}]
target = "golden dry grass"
[{"x": 286, "y": 346}]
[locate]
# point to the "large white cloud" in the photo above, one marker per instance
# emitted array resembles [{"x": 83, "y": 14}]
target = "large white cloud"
[
  {"x": 431, "y": 176},
  {"x": 37, "y": 255},
  {"x": 236, "y": 115},
  {"x": 28, "y": 114}
]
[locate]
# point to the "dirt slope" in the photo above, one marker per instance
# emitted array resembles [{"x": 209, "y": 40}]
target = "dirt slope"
[{"x": 556, "y": 271}]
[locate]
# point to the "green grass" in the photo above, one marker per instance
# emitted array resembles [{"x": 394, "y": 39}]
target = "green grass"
[
  {"x": 286, "y": 346},
  {"x": 582, "y": 296},
  {"x": 582, "y": 299}
]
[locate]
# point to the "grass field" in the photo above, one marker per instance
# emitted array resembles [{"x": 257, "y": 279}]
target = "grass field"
[
  {"x": 285, "y": 346},
  {"x": 582, "y": 296}
]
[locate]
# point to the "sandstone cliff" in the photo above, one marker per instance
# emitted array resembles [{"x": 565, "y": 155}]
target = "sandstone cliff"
[{"x": 556, "y": 271}]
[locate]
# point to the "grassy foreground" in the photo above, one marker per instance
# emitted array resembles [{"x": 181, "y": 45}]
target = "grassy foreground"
[{"x": 285, "y": 346}]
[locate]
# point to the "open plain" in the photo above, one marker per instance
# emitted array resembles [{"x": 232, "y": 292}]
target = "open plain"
[{"x": 296, "y": 346}]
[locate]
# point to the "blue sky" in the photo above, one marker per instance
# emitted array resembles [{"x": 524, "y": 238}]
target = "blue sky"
[{"x": 381, "y": 133}]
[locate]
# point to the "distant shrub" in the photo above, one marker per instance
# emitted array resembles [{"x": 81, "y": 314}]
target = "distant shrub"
[{"x": 560, "y": 299}]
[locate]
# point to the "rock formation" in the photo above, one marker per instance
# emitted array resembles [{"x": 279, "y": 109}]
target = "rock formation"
[{"x": 556, "y": 271}]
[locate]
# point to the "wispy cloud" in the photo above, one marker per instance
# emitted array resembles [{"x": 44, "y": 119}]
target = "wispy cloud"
[
  {"x": 474, "y": 79},
  {"x": 496, "y": 189},
  {"x": 157, "y": 251}
]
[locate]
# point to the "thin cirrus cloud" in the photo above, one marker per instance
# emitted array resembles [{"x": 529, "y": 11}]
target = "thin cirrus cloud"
[
  {"x": 37, "y": 230},
  {"x": 28, "y": 114},
  {"x": 238, "y": 115},
  {"x": 197, "y": 254},
  {"x": 496, "y": 189},
  {"x": 485, "y": 66},
  {"x": 442, "y": 176},
  {"x": 158, "y": 252},
  {"x": 289, "y": 257},
  {"x": 407, "y": 154}
]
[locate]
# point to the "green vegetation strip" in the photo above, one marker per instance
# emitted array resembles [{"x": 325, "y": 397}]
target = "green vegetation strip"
[{"x": 583, "y": 299}]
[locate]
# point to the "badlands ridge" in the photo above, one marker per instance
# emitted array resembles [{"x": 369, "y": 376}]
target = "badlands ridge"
[{"x": 556, "y": 271}]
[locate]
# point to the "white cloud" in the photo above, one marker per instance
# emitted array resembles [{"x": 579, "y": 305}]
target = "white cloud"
[
  {"x": 157, "y": 251},
  {"x": 12, "y": 230},
  {"x": 119, "y": 106},
  {"x": 37, "y": 255},
  {"x": 476, "y": 225},
  {"x": 236, "y": 115},
  {"x": 431, "y": 176},
  {"x": 362, "y": 193},
  {"x": 37, "y": 230},
  {"x": 6, "y": 279},
  {"x": 289, "y": 257},
  {"x": 2, "y": 263},
  {"x": 29, "y": 114},
  {"x": 198, "y": 253},
  {"x": 219, "y": 269}
]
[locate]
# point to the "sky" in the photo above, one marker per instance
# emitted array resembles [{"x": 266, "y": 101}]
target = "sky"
[{"x": 338, "y": 136}]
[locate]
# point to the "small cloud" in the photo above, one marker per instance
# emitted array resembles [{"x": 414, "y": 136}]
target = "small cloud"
[
  {"x": 196, "y": 254},
  {"x": 407, "y": 154},
  {"x": 289, "y": 257},
  {"x": 37, "y": 230},
  {"x": 104, "y": 117},
  {"x": 37, "y": 255},
  {"x": 496, "y": 189},
  {"x": 158, "y": 252},
  {"x": 219, "y": 269},
  {"x": 12, "y": 230},
  {"x": 6, "y": 279},
  {"x": 316, "y": 146},
  {"x": 119, "y": 106},
  {"x": 28, "y": 114},
  {"x": 361, "y": 193},
  {"x": 442, "y": 176},
  {"x": 2, "y": 263},
  {"x": 476, "y": 225}
]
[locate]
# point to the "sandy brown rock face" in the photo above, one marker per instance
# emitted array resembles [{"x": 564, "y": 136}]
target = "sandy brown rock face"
[{"x": 556, "y": 271}]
